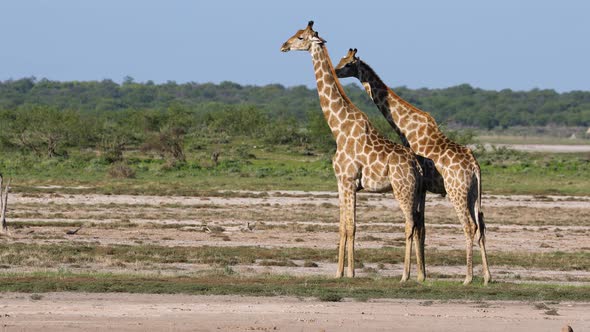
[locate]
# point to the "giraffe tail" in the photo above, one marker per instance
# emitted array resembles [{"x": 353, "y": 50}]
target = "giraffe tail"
[{"x": 478, "y": 213}]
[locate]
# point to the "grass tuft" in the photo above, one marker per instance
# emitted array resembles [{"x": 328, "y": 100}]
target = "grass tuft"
[{"x": 326, "y": 289}]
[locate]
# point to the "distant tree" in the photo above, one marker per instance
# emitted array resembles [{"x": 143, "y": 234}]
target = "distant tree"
[
  {"x": 284, "y": 130},
  {"x": 246, "y": 110},
  {"x": 239, "y": 120},
  {"x": 168, "y": 135},
  {"x": 128, "y": 80},
  {"x": 43, "y": 130},
  {"x": 115, "y": 133}
]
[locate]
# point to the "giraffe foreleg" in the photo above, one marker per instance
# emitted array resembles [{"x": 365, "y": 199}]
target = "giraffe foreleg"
[
  {"x": 342, "y": 234},
  {"x": 350, "y": 230}
]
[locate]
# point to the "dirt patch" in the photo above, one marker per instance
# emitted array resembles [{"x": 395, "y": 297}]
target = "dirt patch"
[{"x": 136, "y": 312}]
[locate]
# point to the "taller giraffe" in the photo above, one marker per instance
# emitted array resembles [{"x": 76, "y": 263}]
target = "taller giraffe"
[
  {"x": 363, "y": 159},
  {"x": 456, "y": 163}
]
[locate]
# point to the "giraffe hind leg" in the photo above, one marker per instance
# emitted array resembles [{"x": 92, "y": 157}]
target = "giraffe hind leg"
[
  {"x": 480, "y": 234},
  {"x": 409, "y": 230},
  {"x": 460, "y": 203},
  {"x": 487, "y": 276},
  {"x": 409, "y": 206},
  {"x": 420, "y": 234}
]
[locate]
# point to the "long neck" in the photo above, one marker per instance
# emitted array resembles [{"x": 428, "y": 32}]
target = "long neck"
[
  {"x": 333, "y": 100},
  {"x": 412, "y": 124},
  {"x": 377, "y": 91}
]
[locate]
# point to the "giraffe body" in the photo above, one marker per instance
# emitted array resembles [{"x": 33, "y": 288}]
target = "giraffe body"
[
  {"x": 363, "y": 159},
  {"x": 456, "y": 163}
]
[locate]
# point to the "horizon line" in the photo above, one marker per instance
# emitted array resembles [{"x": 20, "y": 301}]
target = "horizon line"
[{"x": 122, "y": 82}]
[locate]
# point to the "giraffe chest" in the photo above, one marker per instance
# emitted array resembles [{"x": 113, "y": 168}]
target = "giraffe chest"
[
  {"x": 370, "y": 173},
  {"x": 375, "y": 182}
]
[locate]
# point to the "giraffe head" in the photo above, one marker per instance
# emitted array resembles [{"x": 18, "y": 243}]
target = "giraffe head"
[
  {"x": 348, "y": 65},
  {"x": 302, "y": 39},
  {"x": 351, "y": 66}
]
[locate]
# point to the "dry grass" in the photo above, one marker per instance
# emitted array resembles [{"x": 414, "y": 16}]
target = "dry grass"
[{"x": 172, "y": 238}]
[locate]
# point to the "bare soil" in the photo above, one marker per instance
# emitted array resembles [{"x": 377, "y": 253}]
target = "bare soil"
[{"x": 139, "y": 312}]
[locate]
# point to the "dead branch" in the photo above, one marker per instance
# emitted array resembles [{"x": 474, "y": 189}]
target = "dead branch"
[
  {"x": 74, "y": 231},
  {"x": 4, "y": 203},
  {"x": 215, "y": 158}
]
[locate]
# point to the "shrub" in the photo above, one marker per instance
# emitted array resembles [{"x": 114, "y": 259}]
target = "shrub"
[{"x": 121, "y": 171}]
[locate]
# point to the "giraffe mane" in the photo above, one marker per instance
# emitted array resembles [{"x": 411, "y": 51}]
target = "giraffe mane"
[
  {"x": 390, "y": 90},
  {"x": 336, "y": 80}
]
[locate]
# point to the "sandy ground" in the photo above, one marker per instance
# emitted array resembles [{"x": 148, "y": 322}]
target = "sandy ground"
[{"x": 133, "y": 312}]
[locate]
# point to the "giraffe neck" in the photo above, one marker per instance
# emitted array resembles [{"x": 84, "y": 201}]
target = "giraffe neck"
[
  {"x": 373, "y": 84},
  {"x": 417, "y": 129},
  {"x": 333, "y": 100}
]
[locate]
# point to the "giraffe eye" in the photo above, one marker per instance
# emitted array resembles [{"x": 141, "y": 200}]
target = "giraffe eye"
[{"x": 300, "y": 38}]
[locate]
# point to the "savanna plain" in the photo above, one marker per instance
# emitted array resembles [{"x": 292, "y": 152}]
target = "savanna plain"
[
  {"x": 205, "y": 249},
  {"x": 204, "y": 207}
]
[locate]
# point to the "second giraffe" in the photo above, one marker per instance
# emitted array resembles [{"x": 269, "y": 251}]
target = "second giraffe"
[{"x": 456, "y": 163}]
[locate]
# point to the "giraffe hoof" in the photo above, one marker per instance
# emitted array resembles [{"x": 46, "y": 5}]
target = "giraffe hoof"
[
  {"x": 403, "y": 280},
  {"x": 487, "y": 279},
  {"x": 421, "y": 279},
  {"x": 467, "y": 281}
]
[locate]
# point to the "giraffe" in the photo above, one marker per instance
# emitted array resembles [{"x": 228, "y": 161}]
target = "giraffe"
[
  {"x": 363, "y": 159},
  {"x": 456, "y": 163}
]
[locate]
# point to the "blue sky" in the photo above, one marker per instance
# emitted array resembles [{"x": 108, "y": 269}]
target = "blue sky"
[{"x": 498, "y": 44}]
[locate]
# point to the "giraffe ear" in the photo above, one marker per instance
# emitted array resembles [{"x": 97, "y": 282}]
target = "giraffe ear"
[{"x": 316, "y": 38}]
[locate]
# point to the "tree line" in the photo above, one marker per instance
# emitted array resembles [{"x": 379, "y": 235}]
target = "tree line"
[
  {"x": 460, "y": 105},
  {"x": 50, "y": 132},
  {"x": 47, "y": 117}
]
